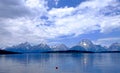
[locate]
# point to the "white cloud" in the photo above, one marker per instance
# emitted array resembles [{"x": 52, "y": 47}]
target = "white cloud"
[
  {"x": 17, "y": 29},
  {"x": 96, "y": 4},
  {"x": 89, "y": 16},
  {"x": 61, "y": 12},
  {"x": 85, "y": 18},
  {"x": 107, "y": 41},
  {"x": 110, "y": 23}
]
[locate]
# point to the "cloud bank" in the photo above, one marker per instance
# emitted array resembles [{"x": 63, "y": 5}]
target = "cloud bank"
[
  {"x": 33, "y": 21},
  {"x": 107, "y": 41}
]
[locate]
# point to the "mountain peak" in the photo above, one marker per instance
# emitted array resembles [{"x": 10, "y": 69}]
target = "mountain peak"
[
  {"x": 42, "y": 44},
  {"x": 85, "y": 43},
  {"x": 114, "y": 47},
  {"x": 24, "y": 44},
  {"x": 59, "y": 47}
]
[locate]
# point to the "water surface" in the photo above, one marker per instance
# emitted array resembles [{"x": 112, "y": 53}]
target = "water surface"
[{"x": 66, "y": 63}]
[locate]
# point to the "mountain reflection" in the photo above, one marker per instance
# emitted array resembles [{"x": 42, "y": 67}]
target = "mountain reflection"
[{"x": 66, "y": 63}]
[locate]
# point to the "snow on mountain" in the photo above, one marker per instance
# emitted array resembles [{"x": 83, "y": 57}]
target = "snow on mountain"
[
  {"x": 59, "y": 47},
  {"x": 84, "y": 45},
  {"x": 114, "y": 47},
  {"x": 26, "y": 47},
  {"x": 99, "y": 48},
  {"x": 23, "y": 47},
  {"x": 40, "y": 48},
  {"x": 87, "y": 45}
]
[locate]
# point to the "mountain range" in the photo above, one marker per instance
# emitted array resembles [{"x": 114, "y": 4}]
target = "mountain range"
[
  {"x": 27, "y": 48},
  {"x": 84, "y": 45}
]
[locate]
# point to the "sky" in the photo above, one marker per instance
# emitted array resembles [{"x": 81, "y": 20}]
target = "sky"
[{"x": 59, "y": 21}]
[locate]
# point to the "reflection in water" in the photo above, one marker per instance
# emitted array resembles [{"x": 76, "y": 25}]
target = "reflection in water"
[{"x": 66, "y": 63}]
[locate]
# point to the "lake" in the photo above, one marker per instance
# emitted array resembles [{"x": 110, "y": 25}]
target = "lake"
[{"x": 65, "y": 63}]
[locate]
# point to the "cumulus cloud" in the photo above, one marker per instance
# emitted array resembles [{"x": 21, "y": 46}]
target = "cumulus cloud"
[
  {"x": 33, "y": 21},
  {"x": 88, "y": 16},
  {"x": 18, "y": 20}
]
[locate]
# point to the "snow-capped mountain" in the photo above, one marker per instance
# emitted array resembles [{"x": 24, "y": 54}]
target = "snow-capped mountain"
[
  {"x": 23, "y": 47},
  {"x": 26, "y": 47},
  {"x": 87, "y": 45},
  {"x": 114, "y": 47},
  {"x": 99, "y": 48},
  {"x": 59, "y": 47},
  {"x": 40, "y": 48},
  {"x": 84, "y": 45}
]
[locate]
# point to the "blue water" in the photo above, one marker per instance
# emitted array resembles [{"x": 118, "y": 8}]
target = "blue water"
[{"x": 66, "y": 63}]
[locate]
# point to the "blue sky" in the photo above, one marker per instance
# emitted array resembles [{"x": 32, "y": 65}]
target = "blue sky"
[{"x": 59, "y": 21}]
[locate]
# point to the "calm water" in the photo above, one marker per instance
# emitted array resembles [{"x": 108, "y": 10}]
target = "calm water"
[{"x": 66, "y": 63}]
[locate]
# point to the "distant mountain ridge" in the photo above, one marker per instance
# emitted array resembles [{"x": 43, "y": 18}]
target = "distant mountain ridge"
[
  {"x": 59, "y": 47},
  {"x": 27, "y": 48},
  {"x": 114, "y": 47},
  {"x": 8, "y": 52},
  {"x": 85, "y": 45}
]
